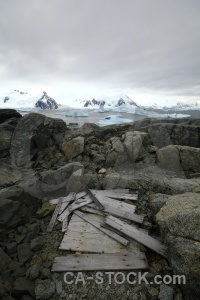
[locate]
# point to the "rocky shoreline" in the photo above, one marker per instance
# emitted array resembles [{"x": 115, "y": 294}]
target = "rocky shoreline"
[{"x": 39, "y": 157}]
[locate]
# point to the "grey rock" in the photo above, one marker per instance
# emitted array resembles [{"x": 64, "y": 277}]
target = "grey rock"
[
  {"x": 34, "y": 270},
  {"x": 168, "y": 158},
  {"x": 8, "y": 176},
  {"x": 45, "y": 273},
  {"x": 37, "y": 243},
  {"x": 23, "y": 285},
  {"x": 166, "y": 292},
  {"x": 44, "y": 289},
  {"x": 6, "y": 114},
  {"x": 133, "y": 143},
  {"x": 181, "y": 216},
  {"x": 5, "y": 261},
  {"x": 157, "y": 201},
  {"x": 11, "y": 248},
  {"x": 190, "y": 158},
  {"x": 26, "y": 297},
  {"x": 24, "y": 252},
  {"x": 179, "y": 221},
  {"x": 74, "y": 147}
]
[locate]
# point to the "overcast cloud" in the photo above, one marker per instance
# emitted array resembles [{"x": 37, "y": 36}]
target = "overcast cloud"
[{"x": 137, "y": 45}]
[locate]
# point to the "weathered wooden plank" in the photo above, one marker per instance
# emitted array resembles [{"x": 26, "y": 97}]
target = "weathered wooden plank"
[
  {"x": 122, "y": 210},
  {"x": 84, "y": 237},
  {"x": 69, "y": 198},
  {"x": 97, "y": 224},
  {"x": 115, "y": 194},
  {"x": 75, "y": 205},
  {"x": 92, "y": 262},
  {"x": 94, "y": 198},
  {"x": 137, "y": 235},
  {"x": 92, "y": 210},
  {"x": 54, "y": 216}
]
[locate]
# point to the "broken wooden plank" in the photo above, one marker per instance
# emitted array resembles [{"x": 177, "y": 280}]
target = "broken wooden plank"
[
  {"x": 137, "y": 235},
  {"x": 54, "y": 216},
  {"x": 75, "y": 205},
  {"x": 94, "y": 198},
  {"x": 120, "y": 209},
  {"x": 94, "y": 262},
  {"x": 97, "y": 224},
  {"x": 92, "y": 210},
  {"x": 116, "y": 194},
  {"x": 84, "y": 237},
  {"x": 69, "y": 198}
]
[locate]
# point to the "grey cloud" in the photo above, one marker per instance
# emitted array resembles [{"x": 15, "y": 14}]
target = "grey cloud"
[{"x": 131, "y": 44}]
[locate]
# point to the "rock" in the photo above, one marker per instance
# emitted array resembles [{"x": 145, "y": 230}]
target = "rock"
[
  {"x": 34, "y": 270},
  {"x": 75, "y": 182},
  {"x": 133, "y": 143},
  {"x": 111, "y": 180},
  {"x": 175, "y": 217},
  {"x": 168, "y": 158},
  {"x": 114, "y": 150},
  {"x": 5, "y": 261},
  {"x": 166, "y": 292},
  {"x": 24, "y": 252},
  {"x": 179, "y": 221},
  {"x": 190, "y": 158},
  {"x": 5, "y": 142},
  {"x": 55, "y": 180},
  {"x": 6, "y": 114},
  {"x": 74, "y": 147},
  {"x": 44, "y": 289},
  {"x": 23, "y": 285},
  {"x": 45, "y": 210},
  {"x": 102, "y": 171},
  {"x": 37, "y": 243},
  {"x": 157, "y": 201},
  {"x": 8, "y": 176},
  {"x": 11, "y": 248},
  {"x": 45, "y": 273},
  {"x": 26, "y": 297}
]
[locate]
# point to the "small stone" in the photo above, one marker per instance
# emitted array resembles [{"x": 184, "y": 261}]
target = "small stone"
[
  {"x": 45, "y": 210},
  {"x": 34, "y": 271},
  {"x": 45, "y": 273},
  {"x": 24, "y": 252},
  {"x": 58, "y": 287},
  {"x": 20, "y": 238},
  {"x": 44, "y": 289},
  {"x": 37, "y": 243},
  {"x": 5, "y": 261},
  {"x": 102, "y": 171},
  {"x": 11, "y": 248}
]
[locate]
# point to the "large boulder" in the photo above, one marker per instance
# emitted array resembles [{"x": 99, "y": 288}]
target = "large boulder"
[
  {"x": 33, "y": 133},
  {"x": 179, "y": 221},
  {"x": 134, "y": 142},
  {"x": 179, "y": 159},
  {"x": 6, "y": 114}
]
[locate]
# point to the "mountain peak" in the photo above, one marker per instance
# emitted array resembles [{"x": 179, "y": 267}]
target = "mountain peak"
[{"x": 46, "y": 102}]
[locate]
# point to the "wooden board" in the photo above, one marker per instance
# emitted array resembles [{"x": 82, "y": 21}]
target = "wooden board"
[
  {"x": 84, "y": 237},
  {"x": 95, "y": 199},
  {"x": 119, "y": 209},
  {"x": 92, "y": 210},
  {"x": 116, "y": 194},
  {"x": 97, "y": 224},
  {"x": 54, "y": 216},
  {"x": 92, "y": 262},
  {"x": 71, "y": 197},
  {"x": 137, "y": 235}
]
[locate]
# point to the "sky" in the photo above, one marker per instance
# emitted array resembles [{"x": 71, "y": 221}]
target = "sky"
[{"x": 147, "y": 49}]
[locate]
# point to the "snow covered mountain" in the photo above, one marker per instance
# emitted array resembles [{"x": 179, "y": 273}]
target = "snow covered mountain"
[
  {"x": 22, "y": 100},
  {"x": 173, "y": 105},
  {"x": 46, "y": 102}
]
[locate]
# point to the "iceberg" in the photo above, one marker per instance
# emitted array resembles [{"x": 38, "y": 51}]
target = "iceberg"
[
  {"x": 75, "y": 113},
  {"x": 114, "y": 119}
]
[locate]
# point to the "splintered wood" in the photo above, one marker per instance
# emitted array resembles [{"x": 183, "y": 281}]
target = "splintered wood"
[{"x": 102, "y": 224}]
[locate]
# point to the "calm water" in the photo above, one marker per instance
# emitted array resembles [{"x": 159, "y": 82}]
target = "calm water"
[{"x": 95, "y": 116}]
